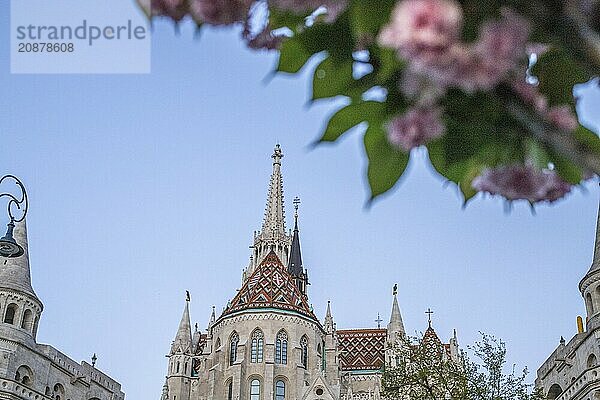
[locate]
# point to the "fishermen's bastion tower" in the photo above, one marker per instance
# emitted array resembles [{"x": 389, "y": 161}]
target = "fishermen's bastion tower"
[
  {"x": 572, "y": 372},
  {"x": 269, "y": 344},
  {"x": 33, "y": 371}
]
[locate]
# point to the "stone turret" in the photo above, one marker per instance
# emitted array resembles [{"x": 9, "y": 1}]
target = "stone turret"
[
  {"x": 590, "y": 285},
  {"x": 180, "y": 358},
  {"x": 20, "y": 308},
  {"x": 395, "y": 328}
]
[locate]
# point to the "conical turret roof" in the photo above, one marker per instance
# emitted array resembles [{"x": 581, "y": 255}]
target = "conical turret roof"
[
  {"x": 183, "y": 339},
  {"x": 15, "y": 274}
]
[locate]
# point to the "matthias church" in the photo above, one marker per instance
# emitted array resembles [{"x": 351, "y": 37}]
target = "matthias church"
[{"x": 268, "y": 343}]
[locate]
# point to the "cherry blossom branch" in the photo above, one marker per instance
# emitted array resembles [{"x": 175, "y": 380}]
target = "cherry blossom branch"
[{"x": 564, "y": 143}]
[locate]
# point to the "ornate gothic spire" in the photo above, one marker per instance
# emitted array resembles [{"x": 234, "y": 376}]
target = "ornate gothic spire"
[
  {"x": 274, "y": 223},
  {"x": 183, "y": 339},
  {"x": 272, "y": 236},
  {"x": 15, "y": 273}
]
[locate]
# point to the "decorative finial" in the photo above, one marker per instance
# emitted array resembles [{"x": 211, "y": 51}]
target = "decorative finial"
[
  {"x": 562, "y": 340},
  {"x": 297, "y": 203},
  {"x": 277, "y": 154},
  {"x": 429, "y": 314},
  {"x": 395, "y": 290},
  {"x": 94, "y": 359},
  {"x": 196, "y": 327},
  {"x": 188, "y": 298},
  {"x": 379, "y": 321}
]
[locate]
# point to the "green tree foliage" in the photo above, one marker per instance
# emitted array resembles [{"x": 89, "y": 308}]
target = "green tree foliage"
[{"x": 424, "y": 370}]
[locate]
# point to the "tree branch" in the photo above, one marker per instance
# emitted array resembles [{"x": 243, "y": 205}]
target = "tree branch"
[{"x": 564, "y": 143}]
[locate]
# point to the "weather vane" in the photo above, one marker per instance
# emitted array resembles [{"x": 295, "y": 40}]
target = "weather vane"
[{"x": 9, "y": 247}]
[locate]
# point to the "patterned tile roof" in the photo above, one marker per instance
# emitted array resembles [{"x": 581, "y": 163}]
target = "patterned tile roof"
[
  {"x": 362, "y": 349},
  {"x": 270, "y": 286}
]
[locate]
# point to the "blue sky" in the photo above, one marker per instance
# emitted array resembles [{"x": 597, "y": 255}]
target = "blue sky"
[{"x": 143, "y": 186}]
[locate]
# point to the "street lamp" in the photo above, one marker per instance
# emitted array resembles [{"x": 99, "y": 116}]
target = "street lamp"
[{"x": 9, "y": 247}]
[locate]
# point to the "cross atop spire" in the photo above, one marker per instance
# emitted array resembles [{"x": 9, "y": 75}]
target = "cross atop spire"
[{"x": 429, "y": 314}]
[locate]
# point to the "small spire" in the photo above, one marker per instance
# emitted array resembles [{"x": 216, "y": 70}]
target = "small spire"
[
  {"x": 295, "y": 267},
  {"x": 395, "y": 326},
  {"x": 213, "y": 318},
  {"x": 329, "y": 325},
  {"x": 183, "y": 339}
]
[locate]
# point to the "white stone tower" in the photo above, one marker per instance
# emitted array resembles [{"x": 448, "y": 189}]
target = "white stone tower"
[{"x": 22, "y": 308}]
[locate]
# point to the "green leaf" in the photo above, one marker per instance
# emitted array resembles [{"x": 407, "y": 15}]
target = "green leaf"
[
  {"x": 558, "y": 73},
  {"x": 567, "y": 170},
  {"x": 537, "y": 154},
  {"x": 332, "y": 78},
  {"x": 292, "y": 56},
  {"x": 365, "y": 18},
  {"x": 350, "y": 116},
  {"x": 386, "y": 163},
  {"x": 588, "y": 139}
]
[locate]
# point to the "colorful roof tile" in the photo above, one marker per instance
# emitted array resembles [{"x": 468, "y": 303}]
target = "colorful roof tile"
[
  {"x": 362, "y": 349},
  {"x": 270, "y": 286}
]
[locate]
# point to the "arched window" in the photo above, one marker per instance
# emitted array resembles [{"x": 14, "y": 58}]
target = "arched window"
[
  {"x": 230, "y": 390},
  {"x": 554, "y": 392},
  {"x": 304, "y": 351},
  {"x": 27, "y": 321},
  {"x": 256, "y": 349},
  {"x": 233, "y": 347},
  {"x": 280, "y": 390},
  {"x": 59, "y": 391},
  {"x": 24, "y": 375},
  {"x": 591, "y": 361},
  {"x": 281, "y": 348},
  {"x": 218, "y": 344},
  {"x": 589, "y": 304},
  {"x": 255, "y": 389},
  {"x": 9, "y": 316}
]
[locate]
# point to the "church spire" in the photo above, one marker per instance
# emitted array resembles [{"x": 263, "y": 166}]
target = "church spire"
[
  {"x": 596, "y": 260},
  {"x": 272, "y": 236},
  {"x": 329, "y": 324},
  {"x": 396, "y": 326},
  {"x": 183, "y": 339},
  {"x": 295, "y": 263},
  {"x": 274, "y": 222},
  {"x": 15, "y": 273}
]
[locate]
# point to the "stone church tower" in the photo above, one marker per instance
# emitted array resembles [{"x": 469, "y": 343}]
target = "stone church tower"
[
  {"x": 29, "y": 370},
  {"x": 572, "y": 371},
  {"x": 268, "y": 343}
]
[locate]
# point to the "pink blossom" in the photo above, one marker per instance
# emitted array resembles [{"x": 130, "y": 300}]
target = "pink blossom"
[
  {"x": 500, "y": 48},
  {"x": 175, "y": 9},
  {"x": 522, "y": 182},
  {"x": 563, "y": 118},
  {"x": 422, "y": 30},
  {"x": 415, "y": 128},
  {"x": 220, "y": 12},
  {"x": 305, "y": 7}
]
